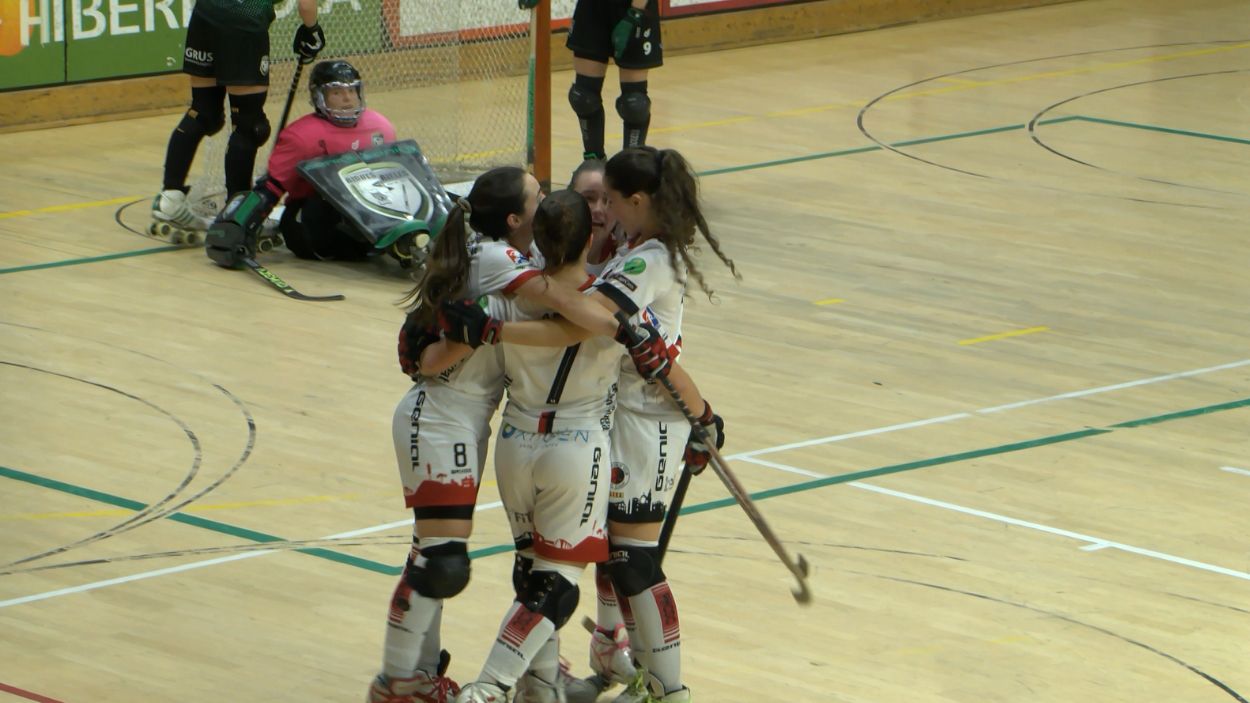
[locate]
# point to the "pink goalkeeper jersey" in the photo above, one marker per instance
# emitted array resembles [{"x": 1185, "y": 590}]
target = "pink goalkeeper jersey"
[{"x": 312, "y": 136}]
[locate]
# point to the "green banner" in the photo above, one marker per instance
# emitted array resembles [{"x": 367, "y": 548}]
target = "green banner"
[{"x": 49, "y": 42}]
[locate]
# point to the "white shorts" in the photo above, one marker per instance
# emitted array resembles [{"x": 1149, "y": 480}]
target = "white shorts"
[
  {"x": 440, "y": 460},
  {"x": 554, "y": 488},
  {"x": 647, "y": 453}
]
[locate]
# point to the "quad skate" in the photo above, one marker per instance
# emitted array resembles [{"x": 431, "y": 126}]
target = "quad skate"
[{"x": 174, "y": 221}]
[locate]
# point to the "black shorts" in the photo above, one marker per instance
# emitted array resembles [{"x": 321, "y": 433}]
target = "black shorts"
[
  {"x": 590, "y": 36},
  {"x": 231, "y": 56}
]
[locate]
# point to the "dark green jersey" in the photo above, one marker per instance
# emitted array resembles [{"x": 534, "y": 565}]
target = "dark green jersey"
[{"x": 247, "y": 15}]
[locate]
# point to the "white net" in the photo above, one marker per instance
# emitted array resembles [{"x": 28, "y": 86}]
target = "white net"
[{"x": 452, "y": 75}]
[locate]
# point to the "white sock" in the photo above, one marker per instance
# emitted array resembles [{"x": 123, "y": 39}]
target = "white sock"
[
  {"x": 522, "y": 634},
  {"x": 546, "y": 664},
  {"x": 411, "y": 617},
  {"x": 656, "y": 639},
  {"x": 432, "y": 646}
]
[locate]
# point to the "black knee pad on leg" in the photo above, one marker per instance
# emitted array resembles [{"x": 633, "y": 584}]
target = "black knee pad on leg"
[
  {"x": 585, "y": 101},
  {"x": 521, "y": 569},
  {"x": 207, "y": 114},
  {"x": 634, "y": 569},
  {"x": 551, "y": 595},
  {"x": 634, "y": 108},
  {"x": 445, "y": 572},
  {"x": 247, "y": 114}
]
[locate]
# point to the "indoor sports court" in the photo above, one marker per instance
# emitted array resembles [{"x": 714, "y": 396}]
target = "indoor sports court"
[{"x": 987, "y": 371}]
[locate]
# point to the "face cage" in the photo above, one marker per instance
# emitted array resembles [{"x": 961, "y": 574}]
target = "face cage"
[{"x": 343, "y": 118}]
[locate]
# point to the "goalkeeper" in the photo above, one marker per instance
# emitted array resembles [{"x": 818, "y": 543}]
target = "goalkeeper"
[{"x": 311, "y": 227}]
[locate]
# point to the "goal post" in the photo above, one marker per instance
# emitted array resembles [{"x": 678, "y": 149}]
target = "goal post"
[{"x": 469, "y": 80}]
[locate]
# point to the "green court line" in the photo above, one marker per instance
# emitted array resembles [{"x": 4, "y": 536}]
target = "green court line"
[
  {"x": 261, "y": 537},
  {"x": 713, "y": 172},
  {"x": 1165, "y": 130},
  {"x": 195, "y": 521},
  {"x": 91, "y": 259}
]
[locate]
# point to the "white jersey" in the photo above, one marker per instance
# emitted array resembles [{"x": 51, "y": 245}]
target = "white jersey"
[
  {"x": 497, "y": 266},
  {"x": 552, "y": 390},
  {"x": 642, "y": 283}
]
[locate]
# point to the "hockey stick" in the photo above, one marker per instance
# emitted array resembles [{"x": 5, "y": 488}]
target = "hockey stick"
[
  {"x": 285, "y": 288},
  {"x": 674, "y": 508},
  {"x": 290, "y": 96},
  {"x": 797, "y": 566}
]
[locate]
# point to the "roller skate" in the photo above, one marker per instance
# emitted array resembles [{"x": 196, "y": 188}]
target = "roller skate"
[
  {"x": 174, "y": 221},
  {"x": 408, "y": 243}
]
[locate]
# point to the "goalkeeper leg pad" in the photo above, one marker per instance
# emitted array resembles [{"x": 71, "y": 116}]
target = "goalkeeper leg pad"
[{"x": 233, "y": 236}]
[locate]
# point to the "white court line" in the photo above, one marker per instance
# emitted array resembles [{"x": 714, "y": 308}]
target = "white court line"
[
  {"x": 1235, "y": 470},
  {"x": 206, "y": 562},
  {"x": 992, "y": 409},
  {"x": 1095, "y": 543},
  {"x": 744, "y": 455}
]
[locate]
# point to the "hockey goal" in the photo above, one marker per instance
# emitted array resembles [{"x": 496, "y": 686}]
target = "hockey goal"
[{"x": 466, "y": 80}]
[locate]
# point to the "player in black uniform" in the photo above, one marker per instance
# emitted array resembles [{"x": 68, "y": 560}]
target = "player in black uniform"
[
  {"x": 628, "y": 32},
  {"x": 226, "y": 54}
]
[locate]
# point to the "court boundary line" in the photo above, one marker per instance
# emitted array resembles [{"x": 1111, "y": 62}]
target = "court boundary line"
[
  {"x": 711, "y": 172},
  {"x": 702, "y": 507}
]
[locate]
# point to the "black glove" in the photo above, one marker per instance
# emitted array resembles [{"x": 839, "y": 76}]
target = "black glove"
[
  {"x": 466, "y": 322},
  {"x": 625, "y": 30},
  {"x": 309, "y": 41},
  {"x": 697, "y": 453},
  {"x": 413, "y": 339},
  {"x": 527, "y": 4},
  {"x": 646, "y": 348}
]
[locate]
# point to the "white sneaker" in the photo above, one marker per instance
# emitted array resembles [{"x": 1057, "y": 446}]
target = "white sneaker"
[
  {"x": 682, "y": 696},
  {"x": 636, "y": 690},
  {"x": 172, "y": 206},
  {"x": 421, "y": 688},
  {"x": 481, "y": 692},
  {"x": 610, "y": 657}
]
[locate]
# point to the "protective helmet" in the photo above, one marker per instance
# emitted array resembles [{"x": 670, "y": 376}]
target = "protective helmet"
[{"x": 336, "y": 74}]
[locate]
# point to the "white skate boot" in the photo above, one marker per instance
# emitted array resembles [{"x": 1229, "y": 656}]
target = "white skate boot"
[
  {"x": 610, "y": 657},
  {"x": 174, "y": 221},
  {"x": 421, "y": 688},
  {"x": 481, "y": 692}
]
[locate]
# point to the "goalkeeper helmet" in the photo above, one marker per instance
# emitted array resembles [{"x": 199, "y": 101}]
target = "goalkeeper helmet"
[{"x": 327, "y": 75}]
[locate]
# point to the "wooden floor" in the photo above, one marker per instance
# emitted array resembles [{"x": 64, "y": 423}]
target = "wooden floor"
[{"x": 988, "y": 370}]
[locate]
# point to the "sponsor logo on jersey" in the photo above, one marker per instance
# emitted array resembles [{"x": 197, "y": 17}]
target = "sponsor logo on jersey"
[
  {"x": 196, "y": 56},
  {"x": 623, "y": 280},
  {"x": 661, "y": 469},
  {"x": 516, "y": 256},
  {"x": 589, "y": 508},
  {"x": 634, "y": 266},
  {"x": 378, "y": 139},
  {"x": 355, "y": 145},
  {"x": 620, "y": 477},
  {"x": 264, "y": 65}
]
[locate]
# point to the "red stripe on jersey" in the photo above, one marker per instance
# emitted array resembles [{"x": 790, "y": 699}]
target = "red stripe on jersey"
[
  {"x": 432, "y": 493},
  {"x": 590, "y": 550},
  {"x": 520, "y": 280},
  {"x": 546, "y": 421},
  {"x": 667, "y": 606},
  {"x": 590, "y": 281},
  {"x": 519, "y": 626}
]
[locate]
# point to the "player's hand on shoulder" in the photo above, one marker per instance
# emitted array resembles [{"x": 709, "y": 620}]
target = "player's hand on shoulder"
[
  {"x": 466, "y": 322},
  {"x": 309, "y": 41},
  {"x": 697, "y": 452}
]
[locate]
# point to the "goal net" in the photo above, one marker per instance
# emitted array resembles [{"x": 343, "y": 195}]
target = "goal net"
[{"x": 453, "y": 75}]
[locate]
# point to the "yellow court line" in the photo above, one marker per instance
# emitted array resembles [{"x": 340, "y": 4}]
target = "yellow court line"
[
  {"x": 1004, "y": 335},
  {"x": 70, "y": 206},
  {"x": 828, "y": 301}
]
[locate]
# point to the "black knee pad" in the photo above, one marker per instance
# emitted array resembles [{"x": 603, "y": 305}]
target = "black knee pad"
[
  {"x": 207, "y": 114},
  {"x": 247, "y": 114},
  {"x": 551, "y": 595},
  {"x": 634, "y": 569},
  {"x": 585, "y": 101},
  {"x": 521, "y": 568},
  {"x": 445, "y": 572},
  {"x": 634, "y": 108}
]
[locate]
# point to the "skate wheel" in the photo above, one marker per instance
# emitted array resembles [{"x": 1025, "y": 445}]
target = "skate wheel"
[
  {"x": 192, "y": 238},
  {"x": 421, "y": 240},
  {"x": 264, "y": 245}
]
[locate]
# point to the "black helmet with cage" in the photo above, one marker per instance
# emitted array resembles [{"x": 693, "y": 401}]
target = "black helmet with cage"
[{"x": 336, "y": 74}]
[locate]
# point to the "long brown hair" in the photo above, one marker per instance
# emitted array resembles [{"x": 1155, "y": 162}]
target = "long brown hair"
[
  {"x": 561, "y": 228},
  {"x": 495, "y": 194},
  {"x": 666, "y": 176}
]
